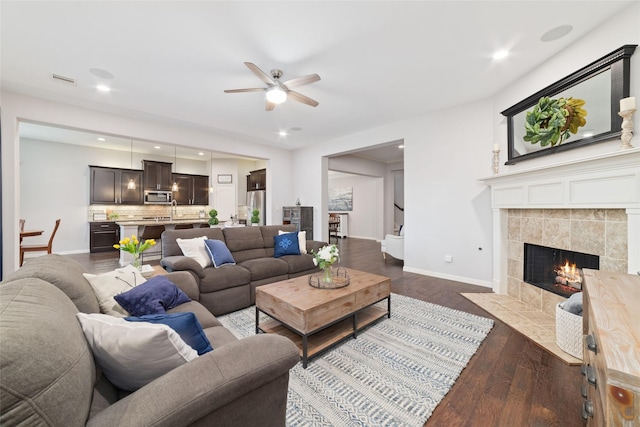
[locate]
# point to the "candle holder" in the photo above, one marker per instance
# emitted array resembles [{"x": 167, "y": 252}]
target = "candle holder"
[
  {"x": 627, "y": 128},
  {"x": 496, "y": 161}
]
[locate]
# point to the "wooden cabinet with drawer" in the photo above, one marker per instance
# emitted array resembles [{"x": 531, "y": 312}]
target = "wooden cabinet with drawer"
[{"x": 611, "y": 369}]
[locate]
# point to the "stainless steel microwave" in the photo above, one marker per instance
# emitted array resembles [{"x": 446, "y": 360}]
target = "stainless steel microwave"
[{"x": 158, "y": 197}]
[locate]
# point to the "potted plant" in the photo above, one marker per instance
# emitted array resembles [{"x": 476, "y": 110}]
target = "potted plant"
[
  {"x": 213, "y": 218},
  {"x": 255, "y": 217}
]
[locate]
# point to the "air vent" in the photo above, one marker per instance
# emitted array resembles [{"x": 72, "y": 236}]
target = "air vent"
[{"x": 63, "y": 79}]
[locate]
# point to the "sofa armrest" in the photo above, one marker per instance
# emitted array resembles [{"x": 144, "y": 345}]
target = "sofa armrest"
[
  {"x": 315, "y": 245},
  {"x": 204, "y": 386},
  {"x": 186, "y": 282},
  {"x": 182, "y": 263}
]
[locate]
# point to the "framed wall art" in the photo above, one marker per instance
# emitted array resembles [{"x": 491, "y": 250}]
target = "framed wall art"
[
  {"x": 580, "y": 109},
  {"x": 341, "y": 199}
]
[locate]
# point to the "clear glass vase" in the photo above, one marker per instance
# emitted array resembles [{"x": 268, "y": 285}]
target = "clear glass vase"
[
  {"x": 136, "y": 262},
  {"x": 326, "y": 274}
]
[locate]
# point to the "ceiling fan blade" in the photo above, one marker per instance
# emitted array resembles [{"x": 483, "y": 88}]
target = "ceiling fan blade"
[
  {"x": 301, "y": 98},
  {"x": 261, "y": 74},
  {"x": 270, "y": 106},
  {"x": 253, "y": 89},
  {"x": 299, "y": 81}
]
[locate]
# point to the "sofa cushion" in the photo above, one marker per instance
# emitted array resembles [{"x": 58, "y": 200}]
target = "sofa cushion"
[
  {"x": 219, "y": 253},
  {"x": 265, "y": 268},
  {"x": 299, "y": 263},
  {"x": 47, "y": 367},
  {"x": 156, "y": 295},
  {"x": 269, "y": 232},
  {"x": 216, "y": 279},
  {"x": 194, "y": 248},
  {"x": 286, "y": 244},
  {"x": 108, "y": 285},
  {"x": 185, "y": 324},
  {"x": 65, "y": 274},
  {"x": 133, "y": 354}
]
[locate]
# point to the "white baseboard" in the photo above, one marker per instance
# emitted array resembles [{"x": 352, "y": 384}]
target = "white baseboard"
[{"x": 484, "y": 283}]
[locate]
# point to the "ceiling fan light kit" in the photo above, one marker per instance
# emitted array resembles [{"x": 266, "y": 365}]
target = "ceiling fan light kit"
[
  {"x": 276, "y": 95},
  {"x": 278, "y": 92}
]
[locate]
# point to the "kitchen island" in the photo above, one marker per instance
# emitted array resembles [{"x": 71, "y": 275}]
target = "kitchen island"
[{"x": 151, "y": 228}]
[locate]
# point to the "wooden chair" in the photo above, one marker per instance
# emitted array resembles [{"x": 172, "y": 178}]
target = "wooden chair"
[
  {"x": 21, "y": 222},
  {"x": 39, "y": 248}
]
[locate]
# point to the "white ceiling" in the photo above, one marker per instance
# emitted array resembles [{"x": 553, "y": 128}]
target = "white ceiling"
[{"x": 379, "y": 61}]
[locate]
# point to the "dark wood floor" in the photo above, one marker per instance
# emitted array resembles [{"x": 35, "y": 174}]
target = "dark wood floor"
[{"x": 509, "y": 382}]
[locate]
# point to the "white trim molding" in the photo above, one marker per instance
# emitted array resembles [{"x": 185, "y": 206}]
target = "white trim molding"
[{"x": 609, "y": 181}]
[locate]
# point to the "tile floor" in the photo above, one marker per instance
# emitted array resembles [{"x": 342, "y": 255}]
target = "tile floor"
[{"x": 534, "y": 324}]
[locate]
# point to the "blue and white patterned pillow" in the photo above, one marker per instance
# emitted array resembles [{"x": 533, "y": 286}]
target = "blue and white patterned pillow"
[{"x": 286, "y": 244}]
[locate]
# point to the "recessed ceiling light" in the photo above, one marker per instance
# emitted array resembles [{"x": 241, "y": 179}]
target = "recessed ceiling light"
[
  {"x": 101, "y": 73},
  {"x": 103, "y": 88},
  {"x": 401, "y": 146},
  {"x": 556, "y": 33},
  {"x": 282, "y": 133},
  {"x": 157, "y": 147},
  {"x": 501, "y": 54},
  {"x": 101, "y": 139},
  {"x": 201, "y": 154}
]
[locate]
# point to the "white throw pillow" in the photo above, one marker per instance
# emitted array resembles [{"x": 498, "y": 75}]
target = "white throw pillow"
[
  {"x": 107, "y": 285},
  {"x": 194, "y": 248},
  {"x": 302, "y": 240},
  {"x": 132, "y": 354}
]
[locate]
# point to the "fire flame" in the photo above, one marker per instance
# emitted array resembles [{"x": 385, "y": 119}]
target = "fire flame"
[{"x": 569, "y": 269}]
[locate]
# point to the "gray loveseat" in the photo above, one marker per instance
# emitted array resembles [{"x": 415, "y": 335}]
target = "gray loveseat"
[
  {"x": 49, "y": 376},
  {"x": 233, "y": 287}
]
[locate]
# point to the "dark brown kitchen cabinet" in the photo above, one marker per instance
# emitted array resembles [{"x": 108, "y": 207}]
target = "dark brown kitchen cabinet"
[
  {"x": 110, "y": 186},
  {"x": 257, "y": 180},
  {"x": 102, "y": 236},
  {"x": 157, "y": 175},
  {"x": 192, "y": 189}
]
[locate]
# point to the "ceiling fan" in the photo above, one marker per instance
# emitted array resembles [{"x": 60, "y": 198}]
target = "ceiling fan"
[{"x": 276, "y": 91}]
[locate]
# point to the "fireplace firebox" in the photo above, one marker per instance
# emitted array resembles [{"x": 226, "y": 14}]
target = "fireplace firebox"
[{"x": 556, "y": 270}]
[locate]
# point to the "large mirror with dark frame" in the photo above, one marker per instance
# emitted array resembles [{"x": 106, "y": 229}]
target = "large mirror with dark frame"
[{"x": 580, "y": 109}]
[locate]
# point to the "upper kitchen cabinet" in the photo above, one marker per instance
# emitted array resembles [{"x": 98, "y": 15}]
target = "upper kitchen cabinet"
[
  {"x": 192, "y": 189},
  {"x": 257, "y": 180},
  {"x": 157, "y": 175},
  {"x": 111, "y": 186}
]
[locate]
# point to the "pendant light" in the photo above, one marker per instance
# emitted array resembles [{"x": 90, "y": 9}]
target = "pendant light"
[
  {"x": 174, "y": 187},
  {"x": 132, "y": 184}
]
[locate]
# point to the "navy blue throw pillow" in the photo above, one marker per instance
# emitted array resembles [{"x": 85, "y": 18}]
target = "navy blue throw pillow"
[
  {"x": 219, "y": 253},
  {"x": 156, "y": 295},
  {"x": 286, "y": 244},
  {"x": 185, "y": 324}
]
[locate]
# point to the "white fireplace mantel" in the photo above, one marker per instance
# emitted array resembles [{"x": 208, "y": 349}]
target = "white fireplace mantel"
[{"x": 609, "y": 181}]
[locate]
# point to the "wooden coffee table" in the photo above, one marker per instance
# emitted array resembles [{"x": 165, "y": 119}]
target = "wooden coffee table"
[{"x": 317, "y": 319}]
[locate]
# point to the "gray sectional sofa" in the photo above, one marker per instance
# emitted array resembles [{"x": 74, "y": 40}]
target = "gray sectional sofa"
[
  {"x": 232, "y": 287},
  {"x": 49, "y": 376}
]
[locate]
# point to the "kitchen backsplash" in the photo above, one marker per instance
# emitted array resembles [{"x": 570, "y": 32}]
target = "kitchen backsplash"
[{"x": 135, "y": 212}]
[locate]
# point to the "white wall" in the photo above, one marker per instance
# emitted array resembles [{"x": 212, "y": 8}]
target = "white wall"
[
  {"x": 447, "y": 210},
  {"x": 366, "y": 218},
  {"x": 18, "y": 107}
]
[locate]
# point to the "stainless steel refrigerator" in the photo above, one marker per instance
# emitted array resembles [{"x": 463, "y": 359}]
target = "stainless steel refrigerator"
[{"x": 257, "y": 199}]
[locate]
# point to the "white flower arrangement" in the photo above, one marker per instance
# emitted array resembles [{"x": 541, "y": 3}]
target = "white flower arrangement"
[{"x": 326, "y": 256}]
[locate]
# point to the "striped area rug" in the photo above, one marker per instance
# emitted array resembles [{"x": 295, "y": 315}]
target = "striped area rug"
[{"x": 394, "y": 374}]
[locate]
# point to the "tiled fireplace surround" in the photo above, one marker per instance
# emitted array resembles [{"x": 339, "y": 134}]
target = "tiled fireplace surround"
[
  {"x": 590, "y": 205},
  {"x": 601, "y": 232}
]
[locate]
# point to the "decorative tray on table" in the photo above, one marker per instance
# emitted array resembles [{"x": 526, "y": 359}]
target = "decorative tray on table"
[{"x": 338, "y": 279}]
